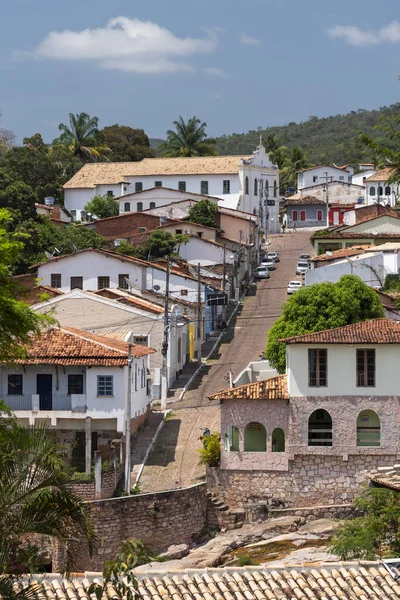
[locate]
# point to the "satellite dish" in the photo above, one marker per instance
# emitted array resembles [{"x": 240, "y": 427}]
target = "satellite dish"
[
  {"x": 329, "y": 253},
  {"x": 374, "y": 233},
  {"x": 133, "y": 287},
  {"x": 156, "y": 288}
]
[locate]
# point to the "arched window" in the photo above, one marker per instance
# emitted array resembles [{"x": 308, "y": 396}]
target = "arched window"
[
  {"x": 255, "y": 187},
  {"x": 246, "y": 185},
  {"x": 320, "y": 428},
  {"x": 231, "y": 440},
  {"x": 368, "y": 429},
  {"x": 372, "y": 191},
  {"x": 139, "y": 206},
  {"x": 278, "y": 440},
  {"x": 388, "y": 191},
  {"x": 255, "y": 438},
  {"x": 380, "y": 190},
  {"x": 275, "y": 188},
  {"x": 152, "y": 204},
  {"x": 127, "y": 207},
  {"x": 267, "y": 187}
]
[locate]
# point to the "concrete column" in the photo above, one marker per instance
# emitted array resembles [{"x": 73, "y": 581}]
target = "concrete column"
[
  {"x": 97, "y": 475},
  {"x": 88, "y": 445},
  {"x": 113, "y": 461}
]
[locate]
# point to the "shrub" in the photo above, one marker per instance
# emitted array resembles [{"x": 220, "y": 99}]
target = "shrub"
[{"x": 210, "y": 454}]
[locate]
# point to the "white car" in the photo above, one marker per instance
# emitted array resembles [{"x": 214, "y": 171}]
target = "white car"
[
  {"x": 270, "y": 264},
  {"x": 273, "y": 256},
  {"x": 304, "y": 257},
  {"x": 293, "y": 286},
  {"x": 302, "y": 267},
  {"x": 261, "y": 273}
]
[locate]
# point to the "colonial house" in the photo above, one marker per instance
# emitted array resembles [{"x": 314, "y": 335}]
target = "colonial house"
[
  {"x": 138, "y": 320},
  {"x": 379, "y": 191},
  {"x": 75, "y": 381},
  {"x": 341, "y": 193},
  {"x": 322, "y": 174},
  {"x": 309, "y": 437},
  {"x": 249, "y": 183},
  {"x": 305, "y": 211}
]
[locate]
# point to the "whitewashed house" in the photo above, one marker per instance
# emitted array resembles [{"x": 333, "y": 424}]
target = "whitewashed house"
[
  {"x": 322, "y": 174},
  {"x": 379, "y": 191},
  {"x": 249, "y": 183},
  {"x": 71, "y": 379},
  {"x": 155, "y": 197}
]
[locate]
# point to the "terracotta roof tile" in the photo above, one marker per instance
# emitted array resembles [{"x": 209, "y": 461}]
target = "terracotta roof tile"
[
  {"x": 388, "y": 477},
  {"x": 381, "y": 175},
  {"x": 299, "y": 199},
  {"x": 274, "y": 388},
  {"x": 93, "y": 174},
  {"x": 353, "y": 250},
  {"x": 333, "y": 581},
  {"x": 373, "y": 331},
  {"x": 70, "y": 346}
]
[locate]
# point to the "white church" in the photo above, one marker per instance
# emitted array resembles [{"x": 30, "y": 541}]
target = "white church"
[{"x": 245, "y": 183}]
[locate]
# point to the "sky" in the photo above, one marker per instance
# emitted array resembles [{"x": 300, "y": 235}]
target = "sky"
[{"x": 235, "y": 64}]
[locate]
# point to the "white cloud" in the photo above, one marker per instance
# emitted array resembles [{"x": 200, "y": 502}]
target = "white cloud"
[
  {"x": 355, "y": 36},
  {"x": 127, "y": 45},
  {"x": 248, "y": 40},
  {"x": 215, "y": 72}
]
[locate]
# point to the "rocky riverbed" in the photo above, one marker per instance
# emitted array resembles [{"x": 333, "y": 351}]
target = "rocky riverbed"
[{"x": 286, "y": 540}]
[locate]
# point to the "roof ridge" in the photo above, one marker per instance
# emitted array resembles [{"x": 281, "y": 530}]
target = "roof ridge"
[{"x": 77, "y": 333}]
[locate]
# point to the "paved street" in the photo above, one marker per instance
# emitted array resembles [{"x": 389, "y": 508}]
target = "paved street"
[{"x": 174, "y": 459}]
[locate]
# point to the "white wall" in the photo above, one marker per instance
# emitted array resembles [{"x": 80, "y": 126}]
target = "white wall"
[
  {"x": 176, "y": 284},
  {"x": 306, "y": 178},
  {"x": 342, "y": 370},
  {"x": 360, "y": 178},
  {"x": 90, "y": 266},
  {"x": 381, "y": 198},
  {"x": 383, "y": 224},
  {"x": 197, "y": 249},
  {"x": 370, "y": 269}
]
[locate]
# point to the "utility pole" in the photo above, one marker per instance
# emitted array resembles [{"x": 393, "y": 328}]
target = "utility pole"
[
  {"x": 198, "y": 314},
  {"x": 224, "y": 272},
  {"x": 164, "y": 349},
  {"x": 128, "y": 416},
  {"x": 327, "y": 179}
]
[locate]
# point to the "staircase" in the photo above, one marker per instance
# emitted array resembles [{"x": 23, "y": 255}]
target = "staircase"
[{"x": 220, "y": 516}]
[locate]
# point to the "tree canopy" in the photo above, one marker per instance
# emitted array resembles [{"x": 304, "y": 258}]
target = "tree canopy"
[
  {"x": 188, "y": 139},
  {"x": 158, "y": 244},
  {"x": 81, "y": 137},
  {"x": 204, "y": 213},
  {"x": 103, "y": 207},
  {"x": 125, "y": 143},
  {"x": 318, "y": 307}
]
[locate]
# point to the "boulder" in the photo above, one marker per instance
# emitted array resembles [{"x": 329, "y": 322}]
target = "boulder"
[{"x": 175, "y": 552}]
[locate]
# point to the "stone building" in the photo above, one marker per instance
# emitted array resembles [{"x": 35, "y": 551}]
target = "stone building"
[{"x": 311, "y": 435}]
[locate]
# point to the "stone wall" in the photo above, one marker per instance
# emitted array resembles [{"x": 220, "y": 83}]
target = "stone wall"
[
  {"x": 159, "y": 519},
  {"x": 86, "y": 489},
  {"x": 309, "y": 480}
]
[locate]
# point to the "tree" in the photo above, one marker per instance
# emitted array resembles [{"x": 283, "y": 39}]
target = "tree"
[
  {"x": 158, "y": 244},
  {"x": 17, "y": 320},
  {"x": 318, "y": 307},
  {"x": 7, "y": 140},
  {"x": 103, "y": 207},
  {"x": 295, "y": 160},
  {"x": 126, "y": 143},
  {"x": 36, "y": 499},
  {"x": 82, "y": 137},
  {"x": 204, "y": 213},
  {"x": 387, "y": 150},
  {"x": 189, "y": 139},
  {"x": 376, "y": 532},
  {"x": 17, "y": 196}
]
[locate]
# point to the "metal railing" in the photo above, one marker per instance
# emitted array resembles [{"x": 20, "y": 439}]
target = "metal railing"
[
  {"x": 61, "y": 402},
  {"x": 20, "y": 402}
]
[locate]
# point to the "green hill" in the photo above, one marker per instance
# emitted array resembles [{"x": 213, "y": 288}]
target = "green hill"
[{"x": 327, "y": 140}]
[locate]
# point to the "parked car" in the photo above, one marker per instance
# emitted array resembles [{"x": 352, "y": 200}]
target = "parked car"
[
  {"x": 302, "y": 267},
  {"x": 261, "y": 273},
  {"x": 273, "y": 256},
  {"x": 293, "y": 286},
  {"x": 304, "y": 257},
  {"x": 270, "y": 264}
]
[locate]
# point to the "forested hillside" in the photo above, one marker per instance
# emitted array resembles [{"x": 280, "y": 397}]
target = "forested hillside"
[{"x": 327, "y": 140}]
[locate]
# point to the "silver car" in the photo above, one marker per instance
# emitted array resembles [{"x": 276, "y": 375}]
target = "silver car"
[
  {"x": 270, "y": 264},
  {"x": 302, "y": 267},
  {"x": 261, "y": 273}
]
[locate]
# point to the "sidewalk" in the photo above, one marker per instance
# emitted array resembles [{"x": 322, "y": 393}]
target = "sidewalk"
[
  {"x": 190, "y": 369},
  {"x": 143, "y": 441}
]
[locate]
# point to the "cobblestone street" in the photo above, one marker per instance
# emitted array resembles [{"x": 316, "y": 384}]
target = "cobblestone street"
[{"x": 174, "y": 459}]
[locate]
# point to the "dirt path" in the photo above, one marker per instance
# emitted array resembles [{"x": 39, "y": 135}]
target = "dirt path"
[{"x": 173, "y": 462}]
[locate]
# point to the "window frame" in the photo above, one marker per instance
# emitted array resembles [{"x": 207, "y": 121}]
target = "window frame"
[
  {"x": 295, "y": 213},
  {"x": 20, "y": 384},
  {"x": 364, "y": 373},
  {"x": 226, "y": 186},
  {"x": 204, "y": 187},
  {"x": 139, "y": 206},
  {"x": 182, "y": 186},
  {"x": 76, "y": 287},
  {"x": 127, "y": 204},
  {"x": 54, "y": 285},
  {"x": 101, "y": 285},
  {"x": 158, "y": 184},
  {"x": 372, "y": 191},
  {"x": 318, "y": 367},
  {"x": 71, "y": 386},
  {"x": 121, "y": 279},
  {"x": 105, "y": 385},
  {"x": 388, "y": 188},
  {"x": 303, "y": 213},
  {"x": 246, "y": 186},
  {"x": 255, "y": 187},
  {"x": 319, "y": 215},
  {"x": 138, "y": 186},
  {"x": 152, "y": 205}
]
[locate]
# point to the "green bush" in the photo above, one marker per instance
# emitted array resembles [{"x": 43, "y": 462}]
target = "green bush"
[{"x": 210, "y": 454}]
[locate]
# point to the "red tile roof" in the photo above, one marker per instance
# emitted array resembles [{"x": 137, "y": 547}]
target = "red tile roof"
[
  {"x": 337, "y": 254},
  {"x": 70, "y": 346},
  {"x": 374, "y": 331},
  {"x": 274, "y": 388}
]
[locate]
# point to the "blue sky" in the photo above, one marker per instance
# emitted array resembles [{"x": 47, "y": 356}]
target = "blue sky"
[{"x": 236, "y": 64}]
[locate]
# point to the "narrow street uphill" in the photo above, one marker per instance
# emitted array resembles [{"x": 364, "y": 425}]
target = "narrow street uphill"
[{"x": 174, "y": 459}]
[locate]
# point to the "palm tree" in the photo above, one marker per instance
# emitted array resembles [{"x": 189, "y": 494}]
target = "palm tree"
[
  {"x": 189, "y": 139},
  {"x": 35, "y": 499},
  {"x": 81, "y": 137},
  {"x": 296, "y": 160}
]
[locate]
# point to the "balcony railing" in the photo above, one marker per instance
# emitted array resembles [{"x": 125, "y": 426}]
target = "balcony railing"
[
  {"x": 22, "y": 402},
  {"x": 39, "y": 402}
]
